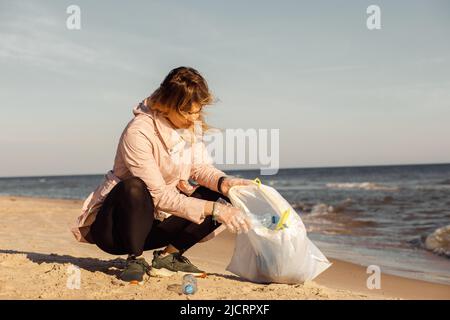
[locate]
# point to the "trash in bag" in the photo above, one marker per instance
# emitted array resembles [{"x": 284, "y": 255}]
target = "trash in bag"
[{"x": 277, "y": 248}]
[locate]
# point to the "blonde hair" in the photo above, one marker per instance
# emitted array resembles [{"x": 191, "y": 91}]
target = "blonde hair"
[{"x": 181, "y": 89}]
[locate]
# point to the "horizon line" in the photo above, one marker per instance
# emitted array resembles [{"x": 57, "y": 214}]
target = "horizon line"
[{"x": 253, "y": 169}]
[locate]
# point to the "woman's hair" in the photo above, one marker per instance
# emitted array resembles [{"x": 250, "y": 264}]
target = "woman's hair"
[{"x": 181, "y": 89}]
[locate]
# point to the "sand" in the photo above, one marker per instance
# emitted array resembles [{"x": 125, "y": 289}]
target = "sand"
[{"x": 38, "y": 255}]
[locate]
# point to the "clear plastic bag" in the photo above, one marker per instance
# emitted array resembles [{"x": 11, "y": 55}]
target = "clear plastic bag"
[{"x": 281, "y": 254}]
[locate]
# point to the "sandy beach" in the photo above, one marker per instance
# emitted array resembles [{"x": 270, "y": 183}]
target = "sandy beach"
[{"x": 37, "y": 251}]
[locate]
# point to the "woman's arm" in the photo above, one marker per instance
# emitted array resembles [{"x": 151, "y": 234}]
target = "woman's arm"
[
  {"x": 204, "y": 172},
  {"x": 202, "y": 168},
  {"x": 208, "y": 208}
]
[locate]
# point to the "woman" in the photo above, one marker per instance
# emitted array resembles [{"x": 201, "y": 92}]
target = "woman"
[{"x": 163, "y": 190}]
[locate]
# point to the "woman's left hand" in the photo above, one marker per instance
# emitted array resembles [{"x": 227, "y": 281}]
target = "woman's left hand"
[{"x": 227, "y": 183}]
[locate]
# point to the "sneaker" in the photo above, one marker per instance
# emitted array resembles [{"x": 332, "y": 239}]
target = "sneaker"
[
  {"x": 174, "y": 263},
  {"x": 135, "y": 270}
]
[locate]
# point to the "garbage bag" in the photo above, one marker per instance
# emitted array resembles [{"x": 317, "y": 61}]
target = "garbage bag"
[{"x": 280, "y": 253}]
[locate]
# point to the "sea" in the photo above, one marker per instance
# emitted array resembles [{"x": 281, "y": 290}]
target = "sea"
[{"x": 395, "y": 217}]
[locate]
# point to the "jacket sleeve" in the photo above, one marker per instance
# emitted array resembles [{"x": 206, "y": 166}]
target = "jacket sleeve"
[
  {"x": 137, "y": 152},
  {"x": 203, "y": 170}
]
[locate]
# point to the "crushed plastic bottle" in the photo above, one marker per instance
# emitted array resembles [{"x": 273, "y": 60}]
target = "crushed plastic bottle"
[
  {"x": 189, "y": 285},
  {"x": 268, "y": 220}
]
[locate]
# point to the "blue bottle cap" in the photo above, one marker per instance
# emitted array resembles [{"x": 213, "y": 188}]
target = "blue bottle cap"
[{"x": 189, "y": 289}]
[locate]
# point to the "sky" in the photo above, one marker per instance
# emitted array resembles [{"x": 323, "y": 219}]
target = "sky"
[{"x": 340, "y": 94}]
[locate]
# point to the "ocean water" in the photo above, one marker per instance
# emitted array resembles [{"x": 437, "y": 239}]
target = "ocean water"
[{"x": 396, "y": 217}]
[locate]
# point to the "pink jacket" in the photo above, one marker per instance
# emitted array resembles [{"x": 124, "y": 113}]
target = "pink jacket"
[{"x": 151, "y": 149}]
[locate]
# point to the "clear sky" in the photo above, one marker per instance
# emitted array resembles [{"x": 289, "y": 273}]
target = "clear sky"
[{"x": 341, "y": 94}]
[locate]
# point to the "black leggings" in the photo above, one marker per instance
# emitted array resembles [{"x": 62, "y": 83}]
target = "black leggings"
[{"x": 125, "y": 224}]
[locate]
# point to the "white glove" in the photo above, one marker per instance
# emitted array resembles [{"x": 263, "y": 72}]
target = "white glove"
[{"x": 231, "y": 217}]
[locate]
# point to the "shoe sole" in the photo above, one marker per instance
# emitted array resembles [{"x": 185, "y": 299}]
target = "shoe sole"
[
  {"x": 145, "y": 278},
  {"x": 163, "y": 272}
]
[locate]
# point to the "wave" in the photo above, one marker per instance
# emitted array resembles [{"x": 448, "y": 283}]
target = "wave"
[
  {"x": 361, "y": 185},
  {"x": 444, "y": 182},
  {"x": 322, "y": 208},
  {"x": 339, "y": 219},
  {"x": 439, "y": 241}
]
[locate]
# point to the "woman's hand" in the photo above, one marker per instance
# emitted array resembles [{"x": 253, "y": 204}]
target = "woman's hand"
[
  {"x": 229, "y": 182},
  {"x": 232, "y": 218}
]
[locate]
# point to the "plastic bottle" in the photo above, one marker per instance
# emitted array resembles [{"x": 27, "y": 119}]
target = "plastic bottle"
[
  {"x": 189, "y": 285},
  {"x": 268, "y": 220}
]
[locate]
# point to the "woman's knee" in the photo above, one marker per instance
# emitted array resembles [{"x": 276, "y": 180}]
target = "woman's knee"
[
  {"x": 135, "y": 189},
  {"x": 134, "y": 186}
]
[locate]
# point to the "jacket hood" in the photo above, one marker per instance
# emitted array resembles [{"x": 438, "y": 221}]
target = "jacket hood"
[
  {"x": 168, "y": 135},
  {"x": 141, "y": 108}
]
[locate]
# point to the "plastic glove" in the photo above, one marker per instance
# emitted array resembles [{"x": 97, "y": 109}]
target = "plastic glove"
[
  {"x": 229, "y": 182},
  {"x": 231, "y": 217}
]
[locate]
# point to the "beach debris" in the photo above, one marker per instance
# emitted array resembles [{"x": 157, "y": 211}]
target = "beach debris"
[
  {"x": 189, "y": 284},
  {"x": 176, "y": 287},
  {"x": 439, "y": 241}
]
